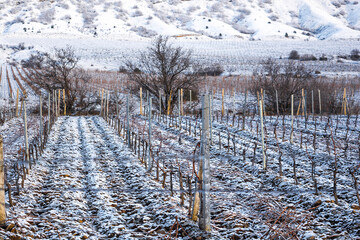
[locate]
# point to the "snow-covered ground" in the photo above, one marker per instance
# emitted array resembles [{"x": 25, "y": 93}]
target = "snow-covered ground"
[
  {"x": 236, "y": 56},
  {"x": 251, "y": 19}
]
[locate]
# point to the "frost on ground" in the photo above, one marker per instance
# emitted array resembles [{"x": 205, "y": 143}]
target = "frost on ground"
[{"x": 88, "y": 185}]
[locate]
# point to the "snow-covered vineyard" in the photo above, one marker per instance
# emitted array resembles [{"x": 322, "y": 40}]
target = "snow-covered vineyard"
[{"x": 93, "y": 178}]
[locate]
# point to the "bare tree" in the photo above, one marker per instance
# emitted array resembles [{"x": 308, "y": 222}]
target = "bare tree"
[
  {"x": 286, "y": 79},
  {"x": 60, "y": 71},
  {"x": 163, "y": 68}
]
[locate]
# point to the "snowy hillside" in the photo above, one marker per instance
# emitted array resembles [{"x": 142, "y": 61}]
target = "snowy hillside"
[{"x": 244, "y": 19}]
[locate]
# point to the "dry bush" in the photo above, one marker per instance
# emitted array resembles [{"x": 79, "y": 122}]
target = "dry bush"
[
  {"x": 286, "y": 79},
  {"x": 284, "y": 222}
]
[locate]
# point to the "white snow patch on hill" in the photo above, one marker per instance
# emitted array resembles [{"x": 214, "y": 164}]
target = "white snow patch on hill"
[{"x": 251, "y": 19}]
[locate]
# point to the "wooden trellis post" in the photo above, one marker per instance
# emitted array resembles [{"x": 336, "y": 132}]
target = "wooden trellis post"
[
  {"x": 141, "y": 102},
  {"x": 244, "y": 110},
  {"x": 17, "y": 103},
  {"x": 127, "y": 121},
  {"x": 41, "y": 124},
  {"x": 160, "y": 103},
  {"x": 107, "y": 105},
  {"x": 233, "y": 102},
  {"x": 169, "y": 102},
  {"x": 204, "y": 221},
  {"x": 182, "y": 102},
  {"x": 64, "y": 101},
  {"x": 2, "y": 185},
  {"x": 319, "y": 101},
  {"x": 179, "y": 108},
  {"x": 59, "y": 98},
  {"x": 26, "y": 133},
  {"x": 222, "y": 103},
  {"x": 150, "y": 165},
  {"x": 102, "y": 102},
  {"x": 292, "y": 118},
  {"x": 262, "y": 134},
  {"x": 210, "y": 117},
  {"x": 53, "y": 103},
  {"x": 277, "y": 102},
  {"x": 49, "y": 118},
  {"x": 190, "y": 97},
  {"x": 312, "y": 102},
  {"x": 344, "y": 103}
]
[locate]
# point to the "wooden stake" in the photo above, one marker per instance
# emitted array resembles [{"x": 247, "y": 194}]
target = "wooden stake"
[
  {"x": 141, "y": 102},
  {"x": 182, "y": 102},
  {"x": 64, "y": 101},
  {"x": 262, "y": 135},
  {"x": 2, "y": 186},
  {"x": 190, "y": 98},
  {"x": 277, "y": 103},
  {"x": 222, "y": 103},
  {"x": 53, "y": 103},
  {"x": 102, "y": 102},
  {"x": 303, "y": 101},
  {"x": 160, "y": 100},
  {"x": 319, "y": 102},
  {"x": 41, "y": 124},
  {"x": 107, "y": 105},
  {"x": 292, "y": 118},
  {"x": 17, "y": 103},
  {"x": 344, "y": 102},
  {"x": 59, "y": 97},
  {"x": 26, "y": 134},
  {"x": 49, "y": 118},
  {"x": 204, "y": 221},
  {"x": 169, "y": 102},
  {"x": 234, "y": 106}
]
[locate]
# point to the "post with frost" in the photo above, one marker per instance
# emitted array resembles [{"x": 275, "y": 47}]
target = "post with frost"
[
  {"x": 222, "y": 103},
  {"x": 182, "y": 102},
  {"x": 17, "y": 103},
  {"x": 107, "y": 106},
  {"x": 277, "y": 103},
  {"x": 2, "y": 187},
  {"x": 149, "y": 163},
  {"x": 127, "y": 121},
  {"x": 49, "y": 118},
  {"x": 41, "y": 124},
  {"x": 64, "y": 101},
  {"x": 320, "y": 104},
  {"x": 59, "y": 98},
  {"x": 262, "y": 135},
  {"x": 179, "y": 107},
  {"x": 204, "y": 221},
  {"x": 102, "y": 102},
  {"x": 244, "y": 111},
  {"x": 210, "y": 117},
  {"x": 190, "y": 100},
  {"x": 26, "y": 135},
  {"x": 292, "y": 118},
  {"x": 141, "y": 108},
  {"x": 160, "y": 104},
  {"x": 234, "y": 106}
]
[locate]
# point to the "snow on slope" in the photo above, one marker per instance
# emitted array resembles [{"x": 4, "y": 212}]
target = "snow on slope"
[{"x": 244, "y": 19}]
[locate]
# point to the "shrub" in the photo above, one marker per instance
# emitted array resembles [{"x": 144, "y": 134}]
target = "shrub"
[
  {"x": 286, "y": 79},
  {"x": 294, "y": 55},
  {"x": 213, "y": 70},
  {"x": 323, "y": 58},
  {"x": 355, "y": 55},
  {"x": 308, "y": 57}
]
